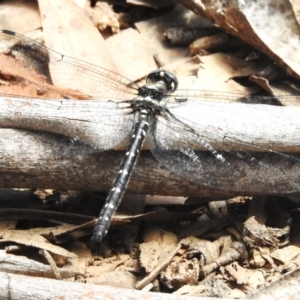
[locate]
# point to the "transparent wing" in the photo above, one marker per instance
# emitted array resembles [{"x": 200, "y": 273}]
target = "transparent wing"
[
  {"x": 88, "y": 125},
  {"x": 223, "y": 97},
  {"x": 47, "y": 71},
  {"x": 41, "y": 67},
  {"x": 196, "y": 147}
]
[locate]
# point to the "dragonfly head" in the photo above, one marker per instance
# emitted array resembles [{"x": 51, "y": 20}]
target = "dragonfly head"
[{"x": 163, "y": 81}]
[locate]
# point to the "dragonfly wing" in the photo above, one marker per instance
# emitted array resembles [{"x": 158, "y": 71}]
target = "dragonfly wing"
[
  {"x": 187, "y": 146},
  {"x": 47, "y": 70}
]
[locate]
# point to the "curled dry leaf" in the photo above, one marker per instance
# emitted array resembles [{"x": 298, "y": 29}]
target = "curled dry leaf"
[
  {"x": 34, "y": 238},
  {"x": 104, "y": 17},
  {"x": 250, "y": 21},
  {"x": 178, "y": 274},
  {"x": 286, "y": 254},
  {"x": 218, "y": 70},
  {"x": 157, "y": 242},
  {"x": 183, "y": 36}
]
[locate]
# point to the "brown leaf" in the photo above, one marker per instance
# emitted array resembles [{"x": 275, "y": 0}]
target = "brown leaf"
[
  {"x": 34, "y": 238},
  {"x": 269, "y": 26},
  {"x": 68, "y": 31},
  {"x": 27, "y": 75}
]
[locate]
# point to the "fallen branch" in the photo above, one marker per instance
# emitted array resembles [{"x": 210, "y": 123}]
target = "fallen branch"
[
  {"x": 231, "y": 126},
  {"x": 32, "y": 159},
  {"x": 13, "y": 287}
]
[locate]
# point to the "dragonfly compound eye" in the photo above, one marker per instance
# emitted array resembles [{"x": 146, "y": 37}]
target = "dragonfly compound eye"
[{"x": 167, "y": 77}]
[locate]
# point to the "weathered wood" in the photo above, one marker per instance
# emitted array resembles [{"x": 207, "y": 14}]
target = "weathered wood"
[
  {"x": 30, "y": 159},
  {"x": 33, "y": 166},
  {"x": 22, "y": 265},
  {"x": 234, "y": 126},
  {"x": 15, "y": 287}
]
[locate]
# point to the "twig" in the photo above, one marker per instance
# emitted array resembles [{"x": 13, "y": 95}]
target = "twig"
[{"x": 153, "y": 274}]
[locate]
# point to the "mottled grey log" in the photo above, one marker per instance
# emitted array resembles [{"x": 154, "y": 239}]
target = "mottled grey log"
[
  {"x": 15, "y": 287},
  {"x": 33, "y": 159},
  {"x": 234, "y": 126},
  {"x": 25, "y": 167}
]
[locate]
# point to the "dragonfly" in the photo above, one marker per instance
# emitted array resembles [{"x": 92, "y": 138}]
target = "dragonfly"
[{"x": 157, "y": 112}]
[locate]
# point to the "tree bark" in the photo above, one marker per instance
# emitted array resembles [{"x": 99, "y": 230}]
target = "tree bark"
[
  {"x": 15, "y": 287},
  {"x": 234, "y": 126},
  {"x": 31, "y": 159}
]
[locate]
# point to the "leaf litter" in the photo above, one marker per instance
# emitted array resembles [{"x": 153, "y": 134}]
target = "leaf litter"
[{"x": 259, "y": 248}]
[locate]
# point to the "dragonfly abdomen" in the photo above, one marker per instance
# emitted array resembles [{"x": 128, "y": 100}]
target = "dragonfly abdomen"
[{"x": 121, "y": 181}]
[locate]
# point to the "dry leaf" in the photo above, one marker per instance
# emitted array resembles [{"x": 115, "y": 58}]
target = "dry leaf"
[
  {"x": 10, "y": 13},
  {"x": 68, "y": 31},
  {"x": 152, "y": 250},
  {"x": 181, "y": 273},
  {"x": 250, "y": 21},
  {"x": 34, "y": 238}
]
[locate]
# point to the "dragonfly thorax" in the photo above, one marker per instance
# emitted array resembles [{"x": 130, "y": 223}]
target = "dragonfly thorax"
[{"x": 147, "y": 105}]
